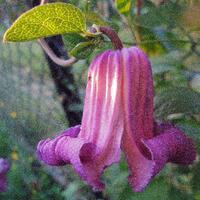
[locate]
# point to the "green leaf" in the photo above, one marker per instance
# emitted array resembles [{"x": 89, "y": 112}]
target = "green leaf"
[
  {"x": 72, "y": 39},
  {"x": 46, "y": 20},
  {"x": 123, "y": 6},
  {"x": 81, "y": 47},
  {"x": 177, "y": 100},
  {"x": 82, "y": 50}
]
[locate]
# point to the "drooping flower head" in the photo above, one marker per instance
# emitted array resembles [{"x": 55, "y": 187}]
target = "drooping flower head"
[
  {"x": 118, "y": 115},
  {"x": 4, "y": 167}
]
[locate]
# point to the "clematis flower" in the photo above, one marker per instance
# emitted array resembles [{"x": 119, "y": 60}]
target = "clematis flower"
[
  {"x": 4, "y": 167},
  {"x": 118, "y": 115}
]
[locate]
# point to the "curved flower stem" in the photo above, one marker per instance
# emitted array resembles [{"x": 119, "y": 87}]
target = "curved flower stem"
[
  {"x": 112, "y": 35},
  {"x": 51, "y": 54},
  {"x": 54, "y": 58}
]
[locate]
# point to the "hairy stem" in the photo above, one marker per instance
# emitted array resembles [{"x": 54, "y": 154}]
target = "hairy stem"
[{"x": 112, "y": 35}]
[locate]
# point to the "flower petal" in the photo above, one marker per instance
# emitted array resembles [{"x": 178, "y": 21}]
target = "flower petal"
[
  {"x": 138, "y": 107},
  {"x": 147, "y": 145},
  {"x": 4, "y": 167},
  {"x": 169, "y": 146},
  {"x": 138, "y": 94},
  {"x": 3, "y": 183},
  {"x": 103, "y": 119},
  {"x": 172, "y": 145},
  {"x": 98, "y": 143},
  {"x": 140, "y": 168},
  {"x": 76, "y": 151},
  {"x": 46, "y": 149}
]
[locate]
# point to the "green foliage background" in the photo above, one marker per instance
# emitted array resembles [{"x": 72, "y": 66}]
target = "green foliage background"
[{"x": 168, "y": 32}]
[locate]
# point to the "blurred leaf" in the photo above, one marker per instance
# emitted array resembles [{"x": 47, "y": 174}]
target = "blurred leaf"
[
  {"x": 151, "y": 43},
  {"x": 5, "y": 146},
  {"x": 177, "y": 194},
  {"x": 191, "y": 128},
  {"x": 195, "y": 181},
  {"x": 94, "y": 18},
  {"x": 161, "y": 68},
  {"x": 157, "y": 189},
  {"x": 156, "y": 25},
  {"x": 192, "y": 63},
  {"x": 70, "y": 192},
  {"x": 82, "y": 50},
  {"x": 102, "y": 47},
  {"x": 177, "y": 100},
  {"x": 162, "y": 15},
  {"x": 123, "y": 6},
  {"x": 191, "y": 17},
  {"x": 81, "y": 47},
  {"x": 165, "y": 63},
  {"x": 46, "y": 20},
  {"x": 115, "y": 185},
  {"x": 168, "y": 39},
  {"x": 72, "y": 39}
]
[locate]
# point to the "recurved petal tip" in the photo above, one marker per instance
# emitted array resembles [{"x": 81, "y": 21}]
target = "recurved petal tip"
[
  {"x": 47, "y": 149},
  {"x": 171, "y": 146}
]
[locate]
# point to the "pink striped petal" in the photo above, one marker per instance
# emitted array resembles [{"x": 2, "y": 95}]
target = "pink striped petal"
[
  {"x": 148, "y": 146},
  {"x": 138, "y": 106},
  {"x": 138, "y": 94},
  {"x": 98, "y": 142},
  {"x": 141, "y": 169}
]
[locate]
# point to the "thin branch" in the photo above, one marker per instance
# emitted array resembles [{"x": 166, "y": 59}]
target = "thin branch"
[
  {"x": 137, "y": 27},
  {"x": 43, "y": 2},
  {"x": 131, "y": 27},
  {"x": 54, "y": 57},
  {"x": 139, "y": 7}
]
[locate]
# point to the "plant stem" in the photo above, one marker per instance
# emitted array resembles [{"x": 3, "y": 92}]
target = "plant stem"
[
  {"x": 137, "y": 27},
  {"x": 112, "y": 35},
  {"x": 54, "y": 57},
  {"x": 132, "y": 28}
]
